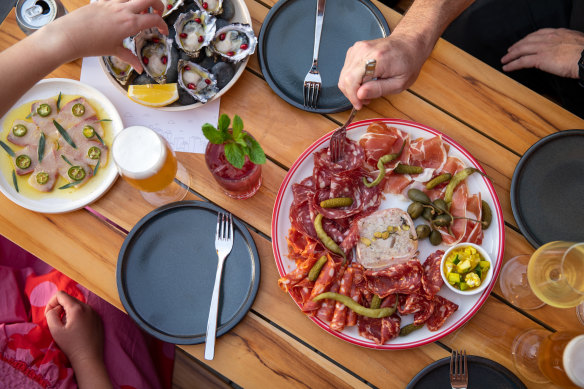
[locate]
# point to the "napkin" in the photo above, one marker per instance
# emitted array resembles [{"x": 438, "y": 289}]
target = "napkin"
[{"x": 181, "y": 129}]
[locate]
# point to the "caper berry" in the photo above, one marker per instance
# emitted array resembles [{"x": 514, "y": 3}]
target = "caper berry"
[
  {"x": 442, "y": 220},
  {"x": 487, "y": 215},
  {"x": 428, "y": 213},
  {"x": 435, "y": 237},
  {"x": 419, "y": 196},
  {"x": 415, "y": 209},
  {"x": 423, "y": 231},
  {"x": 440, "y": 206}
]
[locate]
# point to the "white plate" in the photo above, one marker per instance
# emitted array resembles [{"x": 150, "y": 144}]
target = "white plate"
[
  {"x": 55, "y": 202},
  {"x": 241, "y": 15},
  {"x": 493, "y": 241}
]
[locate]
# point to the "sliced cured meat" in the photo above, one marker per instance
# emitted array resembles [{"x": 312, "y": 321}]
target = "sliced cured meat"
[
  {"x": 380, "y": 140},
  {"x": 403, "y": 278},
  {"x": 323, "y": 283},
  {"x": 443, "y": 308},
  {"x": 327, "y": 308},
  {"x": 301, "y": 291},
  {"x": 387, "y": 237},
  {"x": 379, "y": 330},
  {"x": 396, "y": 183},
  {"x": 340, "y": 315},
  {"x": 428, "y": 152},
  {"x": 295, "y": 276},
  {"x": 418, "y": 305},
  {"x": 432, "y": 282},
  {"x": 32, "y": 153},
  {"x": 30, "y": 138},
  {"x": 76, "y": 111},
  {"x": 45, "y": 123},
  {"x": 354, "y": 156},
  {"x": 44, "y": 176},
  {"x": 457, "y": 209},
  {"x": 474, "y": 230},
  {"x": 355, "y": 294}
]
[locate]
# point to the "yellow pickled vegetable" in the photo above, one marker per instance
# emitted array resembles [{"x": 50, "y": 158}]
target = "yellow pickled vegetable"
[{"x": 465, "y": 269}]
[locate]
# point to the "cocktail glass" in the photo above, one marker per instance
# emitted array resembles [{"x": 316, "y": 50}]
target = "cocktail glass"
[{"x": 146, "y": 161}]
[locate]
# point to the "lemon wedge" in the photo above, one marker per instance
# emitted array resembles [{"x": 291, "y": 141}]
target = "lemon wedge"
[{"x": 153, "y": 95}]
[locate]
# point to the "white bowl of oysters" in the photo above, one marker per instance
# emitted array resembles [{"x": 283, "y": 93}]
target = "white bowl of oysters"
[{"x": 206, "y": 51}]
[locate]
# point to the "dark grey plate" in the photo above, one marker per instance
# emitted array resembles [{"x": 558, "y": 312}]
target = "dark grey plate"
[
  {"x": 286, "y": 43},
  {"x": 166, "y": 271},
  {"x": 483, "y": 373},
  {"x": 547, "y": 189}
]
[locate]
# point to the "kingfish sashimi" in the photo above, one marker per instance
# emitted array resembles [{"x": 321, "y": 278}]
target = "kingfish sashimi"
[
  {"x": 47, "y": 165},
  {"x": 32, "y": 153},
  {"x": 30, "y": 138}
]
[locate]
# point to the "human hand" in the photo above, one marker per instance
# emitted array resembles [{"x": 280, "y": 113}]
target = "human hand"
[
  {"x": 100, "y": 27},
  {"x": 399, "y": 60},
  {"x": 552, "y": 50},
  {"x": 76, "y": 328}
]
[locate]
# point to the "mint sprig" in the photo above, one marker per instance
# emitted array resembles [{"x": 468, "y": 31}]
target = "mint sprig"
[{"x": 238, "y": 143}]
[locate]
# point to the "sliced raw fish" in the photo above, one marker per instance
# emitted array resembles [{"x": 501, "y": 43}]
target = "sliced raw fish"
[
  {"x": 32, "y": 153},
  {"x": 30, "y": 138},
  {"x": 84, "y": 144},
  {"x": 45, "y": 124},
  {"x": 68, "y": 119},
  {"x": 47, "y": 166},
  {"x": 64, "y": 167}
]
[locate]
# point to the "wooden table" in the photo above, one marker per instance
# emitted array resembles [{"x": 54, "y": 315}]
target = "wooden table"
[{"x": 276, "y": 345}]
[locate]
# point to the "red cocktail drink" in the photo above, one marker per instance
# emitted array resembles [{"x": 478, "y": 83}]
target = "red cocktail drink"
[{"x": 237, "y": 183}]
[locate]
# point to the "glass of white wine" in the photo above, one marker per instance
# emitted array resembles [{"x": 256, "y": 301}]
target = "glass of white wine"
[{"x": 148, "y": 163}]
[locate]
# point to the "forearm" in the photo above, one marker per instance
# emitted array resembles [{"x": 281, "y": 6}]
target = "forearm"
[
  {"x": 426, "y": 20},
  {"x": 91, "y": 375},
  {"x": 28, "y": 61}
]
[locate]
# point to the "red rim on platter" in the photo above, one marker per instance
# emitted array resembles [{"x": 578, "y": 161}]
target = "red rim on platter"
[{"x": 493, "y": 241}]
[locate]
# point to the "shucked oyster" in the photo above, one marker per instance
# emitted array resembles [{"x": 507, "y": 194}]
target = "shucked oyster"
[
  {"x": 196, "y": 80},
  {"x": 154, "y": 51},
  {"x": 214, "y": 7},
  {"x": 118, "y": 68},
  {"x": 170, "y": 6},
  {"x": 194, "y": 30},
  {"x": 234, "y": 42}
]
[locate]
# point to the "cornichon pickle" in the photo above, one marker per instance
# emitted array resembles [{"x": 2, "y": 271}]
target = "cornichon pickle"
[
  {"x": 408, "y": 169},
  {"x": 442, "y": 220},
  {"x": 423, "y": 231},
  {"x": 435, "y": 237},
  {"x": 406, "y": 330},
  {"x": 337, "y": 202},
  {"x": 316, "y": 268},
  {"x": 487, "y": 215},
  {"x": 457, "y": 179},
  {"x": 438, "y": 180},
  {"x": 440, "y": 206},
  {"x": 419, "y": 196},
  {"x": 415, "y": 209}
]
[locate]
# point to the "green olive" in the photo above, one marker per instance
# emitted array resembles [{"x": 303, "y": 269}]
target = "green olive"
[
  {"x": 419, "y": 196},
  {"x": 423, "y": 231},
  {"x": 435, "y": 237},
  {"x": 415, "y": 209},
  {"x": 442, "y": 220},
  {"x": 440, "y": 206}
]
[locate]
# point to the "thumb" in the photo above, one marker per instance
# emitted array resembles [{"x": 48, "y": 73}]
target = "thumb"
[{"x": 53, "y": 317}]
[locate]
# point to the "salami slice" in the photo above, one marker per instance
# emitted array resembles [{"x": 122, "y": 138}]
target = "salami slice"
[
  {"x": 402, "y": 278},
  {"x": 379, "y": 330},
  {"x": 443, "y": 308},
  {"x": 432, "y": 280},
  {"x": 340, "y": 315},
  {"x": 301, "y": 292},
  {"x": 295, "y": 276},
  {"x": 323, "y": 283},
  {"x": 327, "y": 308}
]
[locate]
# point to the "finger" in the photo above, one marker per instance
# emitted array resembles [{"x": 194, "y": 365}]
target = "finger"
[
  {"x": 52, "y": 303},
  {"x": 129, "y": 57},
  {"x": 138, "y": 6},
  {"x": 381, "y": 87},
  {"x": 524, "y": 62},
  {"x": 152, "y": 20},
  {"x": 53, "y": 317},
  {"x": 67, "y": 301},
  {"x": 523, "y": 50}
]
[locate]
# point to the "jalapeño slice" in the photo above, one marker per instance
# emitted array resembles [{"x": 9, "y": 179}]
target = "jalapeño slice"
[
  {"x": 19, "y": 130},
  {"x": 44, "y": 110},
  {"x": 88, "y": 131},
  {"x": 78, "y": 109},
  {"x": 94, "y": 152},
  {"x": 23, "y": 161},
  {"x": 76, "y": 173},
  {"x": 42, "y": 178}
]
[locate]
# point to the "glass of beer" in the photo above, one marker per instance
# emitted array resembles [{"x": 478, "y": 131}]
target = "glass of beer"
[
  {"x": 541, "y": 356},
  {"x": 146, "y": 161},
  {"x": 553, "y": 275}
]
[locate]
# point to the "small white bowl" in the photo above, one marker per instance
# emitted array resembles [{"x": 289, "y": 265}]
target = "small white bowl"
[{"x": 485, "y": 257}]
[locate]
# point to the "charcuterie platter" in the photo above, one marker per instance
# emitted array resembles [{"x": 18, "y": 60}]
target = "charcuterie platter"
[{"x": 340, "y": 234}]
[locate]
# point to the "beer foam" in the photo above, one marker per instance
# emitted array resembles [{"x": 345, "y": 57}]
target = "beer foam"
[
  {"x": 572, "y": 359},
  {"x": 139, "y": 152}
]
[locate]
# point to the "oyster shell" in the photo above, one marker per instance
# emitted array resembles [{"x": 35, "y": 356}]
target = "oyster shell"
[
  {"x": 118, "y": 68},
  {"x": 194, "y": 31},
  {"x": 234, "y": 42},
  {"x": 197, "y": 81},
  {"x": 214, "y": 7},
  {"x": 154, "y": 51},
  {"x": 170, "y": 6}
]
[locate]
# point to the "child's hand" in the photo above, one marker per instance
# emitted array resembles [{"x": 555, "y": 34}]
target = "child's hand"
[{"x": 76, "y": 328}]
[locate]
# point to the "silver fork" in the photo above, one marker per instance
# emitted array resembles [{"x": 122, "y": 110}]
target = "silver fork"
[
  {"x": 458, "y": 370},
  {"x": 337, "y": 143},
  {"x": 312, "y": 81},
  {"x": 223, "y": 246}
]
